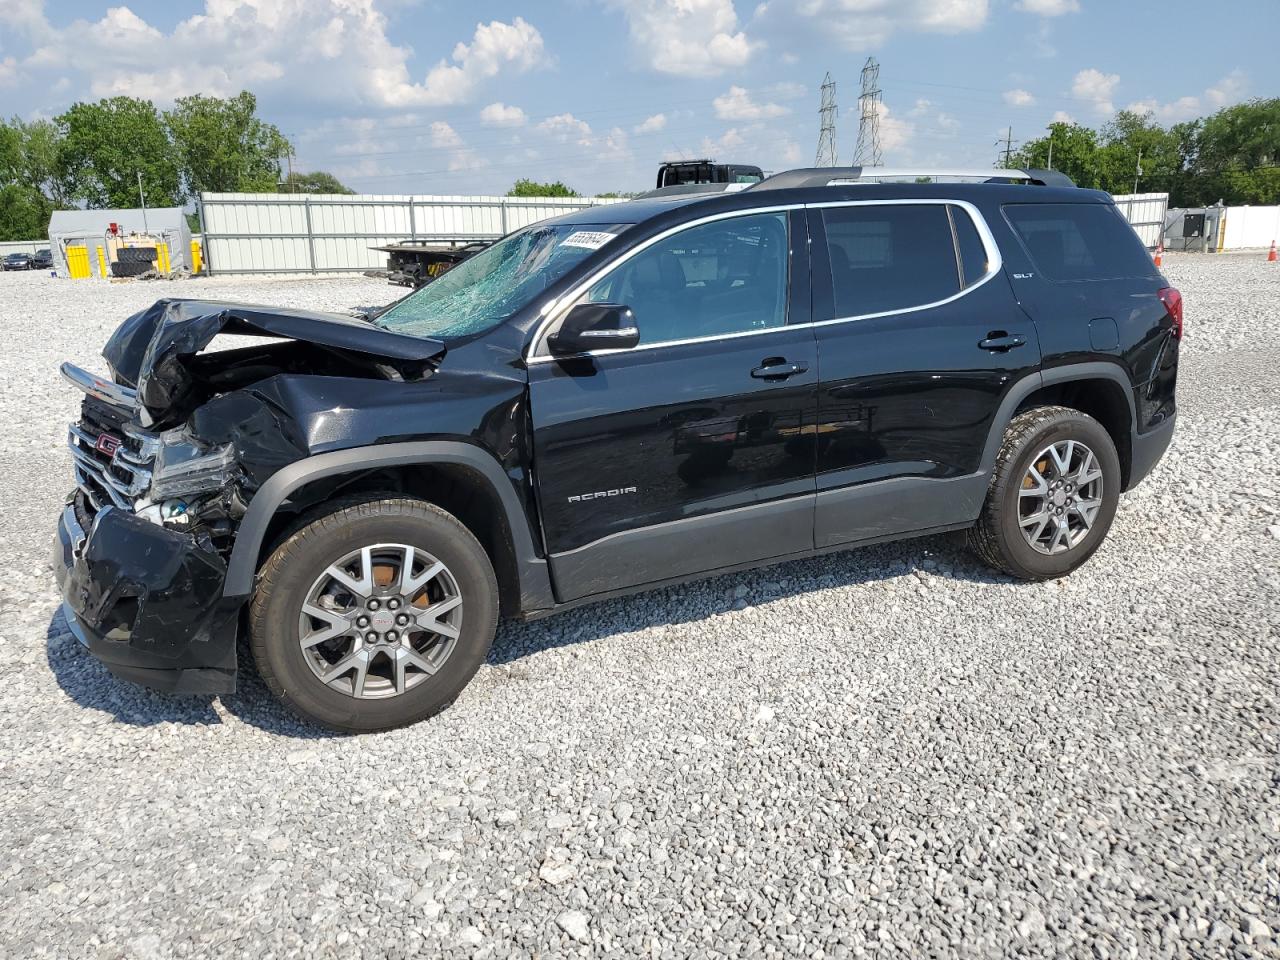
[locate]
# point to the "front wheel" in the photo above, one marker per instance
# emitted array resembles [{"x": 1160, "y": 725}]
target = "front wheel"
[
  {"x": 374, "y": 615},
  {"x": 1052, "y": 497}
]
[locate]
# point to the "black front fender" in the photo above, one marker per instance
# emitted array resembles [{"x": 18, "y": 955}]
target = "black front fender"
[{"x": 535, "y": 584}]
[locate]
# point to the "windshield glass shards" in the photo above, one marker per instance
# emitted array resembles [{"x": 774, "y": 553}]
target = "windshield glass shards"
[{"x": 481, "y": 292}]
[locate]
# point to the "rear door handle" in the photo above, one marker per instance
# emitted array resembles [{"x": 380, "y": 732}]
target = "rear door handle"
[
  {"x": 778, "y": 368},
  {"x": 1000, "y": 341}
]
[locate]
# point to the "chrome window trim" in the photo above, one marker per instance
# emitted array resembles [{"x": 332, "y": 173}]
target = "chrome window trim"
[{"x": 553, "y": 311}]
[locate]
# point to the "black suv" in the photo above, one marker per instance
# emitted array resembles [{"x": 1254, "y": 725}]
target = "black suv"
[{"x": 627, "y": 396}]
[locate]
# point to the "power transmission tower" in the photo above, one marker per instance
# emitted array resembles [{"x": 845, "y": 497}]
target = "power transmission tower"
[
  {"x": 1008, "y": 142},
  {"x": 827, "y": 156},
  {"x": 868, "y": 152}
]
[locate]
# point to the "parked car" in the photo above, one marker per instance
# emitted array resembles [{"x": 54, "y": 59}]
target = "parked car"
[
  {"x": 42, "y": 260},
  {"x": 627, "y": 396},
  {"x": 17, "y": 261}
]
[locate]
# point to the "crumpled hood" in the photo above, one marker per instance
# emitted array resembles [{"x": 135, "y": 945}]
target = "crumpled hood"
[{"x": 149, "y": 349}]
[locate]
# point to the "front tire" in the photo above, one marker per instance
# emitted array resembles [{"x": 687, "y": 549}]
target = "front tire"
[
  {"x": 373, "y": 615},
  {"x": 1053, "y": 495}
]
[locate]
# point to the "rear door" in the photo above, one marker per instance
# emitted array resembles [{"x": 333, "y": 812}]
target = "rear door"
[
  {"x": 692, "y": 451},
  {"x": 918, "y": 339}
]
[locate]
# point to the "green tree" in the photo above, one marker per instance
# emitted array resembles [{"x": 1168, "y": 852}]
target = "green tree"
[
  {"x": 103, "y": 148},
  {"x": 531, "y": 188},
  {"x": 24, "y": 212},
  {"x": 222, "y": 145},
  {"x": 317, "y": 181},
  {"x": 1236, "y": 155},
  {"x": 29, "y": 186},
  {"x": 1074, "y": 153}
]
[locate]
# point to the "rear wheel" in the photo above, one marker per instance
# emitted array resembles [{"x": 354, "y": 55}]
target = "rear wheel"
[
  {"x": 374, "y": 615},
  {"x": 1052, "y": 497}
]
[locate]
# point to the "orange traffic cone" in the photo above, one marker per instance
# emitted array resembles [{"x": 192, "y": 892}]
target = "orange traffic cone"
[
  {"x": 1159, "y": 253},
  {"x": 1271, "y": 255}
]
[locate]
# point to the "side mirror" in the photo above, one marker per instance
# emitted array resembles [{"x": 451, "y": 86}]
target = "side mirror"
[{"x": 595, "y": 326}]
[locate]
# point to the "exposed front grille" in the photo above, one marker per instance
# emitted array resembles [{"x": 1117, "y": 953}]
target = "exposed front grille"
[{"x": 115, "y": 471}]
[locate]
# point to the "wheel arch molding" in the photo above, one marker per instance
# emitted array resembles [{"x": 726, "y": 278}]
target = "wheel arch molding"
[
  {"x": 533, "y": 587},
  {"x": 1061, "y": 377}
]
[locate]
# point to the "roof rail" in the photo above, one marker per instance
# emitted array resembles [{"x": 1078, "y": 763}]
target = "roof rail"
[
  {"x": 839, "y": 176},
  {"x": 689, "y": 189}
]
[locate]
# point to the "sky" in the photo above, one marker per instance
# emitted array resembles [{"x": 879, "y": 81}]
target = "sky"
[{"x": 398, "y": 96}]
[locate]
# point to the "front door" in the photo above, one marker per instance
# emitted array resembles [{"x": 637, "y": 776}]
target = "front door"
[
  {"x": 692, "y": 451},
  {"x": 919, "y": 337}
]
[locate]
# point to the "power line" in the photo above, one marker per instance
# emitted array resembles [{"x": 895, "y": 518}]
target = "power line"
[
  {"x": 827, "y": 112},
  {"x": 1008, "y": 141},
  {"x": 868, "y": 151}
]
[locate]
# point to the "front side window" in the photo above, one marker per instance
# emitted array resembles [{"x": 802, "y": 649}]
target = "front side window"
[
  {"x": 888, "y": 257},
  {"x": 720, "y": 278},
  {"x": 480, "y": 293}
]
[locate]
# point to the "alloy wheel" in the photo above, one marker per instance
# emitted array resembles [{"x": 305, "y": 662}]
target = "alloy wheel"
[
  {"x": 1060, "y": 496},
  {"x": 380, "y": 620}
]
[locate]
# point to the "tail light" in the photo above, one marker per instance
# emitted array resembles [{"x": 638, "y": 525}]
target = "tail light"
[{"x": 1172, "y": 301}]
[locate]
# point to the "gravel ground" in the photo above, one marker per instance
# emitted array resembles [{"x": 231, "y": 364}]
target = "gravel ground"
[{"x": 876, "y": 753}]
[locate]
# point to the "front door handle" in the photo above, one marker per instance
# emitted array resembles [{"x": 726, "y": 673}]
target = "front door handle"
[
  {"x": 778, "y": 368},
  {"x": 1000, "y": 342}
]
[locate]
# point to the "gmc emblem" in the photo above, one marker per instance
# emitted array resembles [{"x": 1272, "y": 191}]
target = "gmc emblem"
[{"x": 107, "y": 444}]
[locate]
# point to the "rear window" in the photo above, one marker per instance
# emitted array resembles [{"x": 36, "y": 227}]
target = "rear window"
[
  {"x": 1079, "y": 241},
  {"x": 890, "y": 257}
]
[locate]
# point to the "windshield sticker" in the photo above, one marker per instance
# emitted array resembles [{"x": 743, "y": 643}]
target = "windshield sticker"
[{"x": 588, "y": 239}]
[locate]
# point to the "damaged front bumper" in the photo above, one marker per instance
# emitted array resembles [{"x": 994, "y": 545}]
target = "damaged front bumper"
[{"x": 146, "y": 600}]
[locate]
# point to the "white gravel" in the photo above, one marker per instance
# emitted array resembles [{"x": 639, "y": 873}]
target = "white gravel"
[{"x": 888, "y": 752}]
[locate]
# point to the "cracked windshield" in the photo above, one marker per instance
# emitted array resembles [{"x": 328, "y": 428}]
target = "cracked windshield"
[{"x": 482, "y": 292}]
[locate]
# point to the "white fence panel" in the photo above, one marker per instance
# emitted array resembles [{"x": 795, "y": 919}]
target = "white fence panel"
[
  {"x": 1249, "y": 227},
  {"x": 282, "y": 232},
  {"x": 1145, "y": 213},
  {"x": 22, "y": 246}
]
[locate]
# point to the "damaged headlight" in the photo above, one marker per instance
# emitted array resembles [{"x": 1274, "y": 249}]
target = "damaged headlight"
[{"x": 185, "y": 466}]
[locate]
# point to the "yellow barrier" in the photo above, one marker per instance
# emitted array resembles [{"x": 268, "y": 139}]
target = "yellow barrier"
[
  {"x": 102, "y": 264},
  {"x": 162, "y": 257},
  {"x": 197, "y": 257},
  {"x": 78, "y": 262}
]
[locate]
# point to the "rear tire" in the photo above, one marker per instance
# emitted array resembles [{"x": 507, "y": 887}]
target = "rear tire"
[
  {"x": 396, "y": 591},
  {"x": 1053, "y": 495}
]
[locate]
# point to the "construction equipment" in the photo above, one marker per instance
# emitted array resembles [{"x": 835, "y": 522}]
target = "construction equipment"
[
  {"x": 679, "y": 172},
  {"x": 415, "y": 263}
]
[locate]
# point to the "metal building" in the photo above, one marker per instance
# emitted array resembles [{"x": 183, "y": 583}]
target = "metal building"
[{"x": 81, "y": 236}]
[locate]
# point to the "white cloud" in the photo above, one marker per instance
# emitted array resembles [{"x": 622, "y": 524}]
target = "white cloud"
[
  {"x": 1230, "y": 89},
  {"x": 321, "y": 50},
  {"x": 1061, "y": 116},
  {"x": 791, "y": 154},
  {"x": 443, "y": 135},
  {"x": 652, "y": 124},
  {"x": 8, "y": 71},
  {"x": 738, "y": 105},
  {"x": 565, "y": 127},
  {"x": 502, "y": 115},
  {"x": 1048, "y": 8},
  {"x": 494, "y": 46},
  {"x": 688, "y": 38},
  {"x": 858, "y": 24},
  {"x": 1018, "y": 98},
  {"x": 1096, "y": 86},
  {"x": 921, "y": 108},
  {"x": 894, "y": 132},
  {"x": 726, "y": 143},
  {"x": 785, "y": 90}
]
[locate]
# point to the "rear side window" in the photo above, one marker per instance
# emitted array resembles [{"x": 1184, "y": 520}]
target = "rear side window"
[
  {"x": 890, "y": 257},
  {"x": 973, "y": 254},
  {"x": 1079, "y": 241}
]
